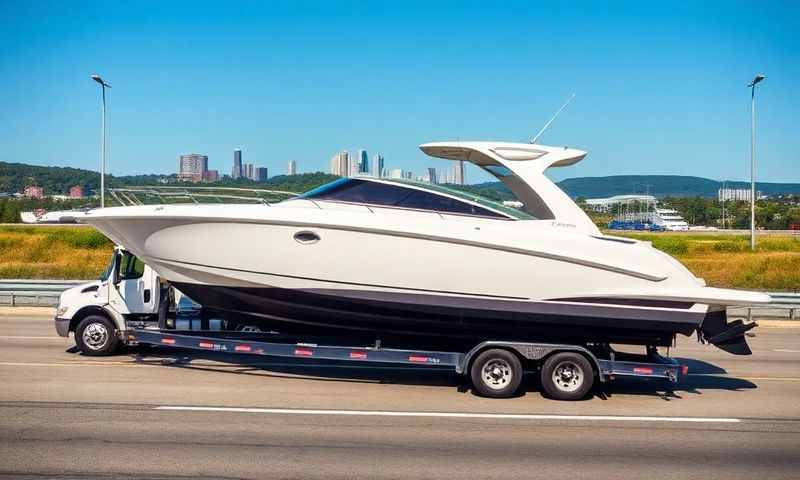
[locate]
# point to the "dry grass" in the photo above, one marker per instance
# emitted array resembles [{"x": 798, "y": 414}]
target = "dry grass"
[
  {"x": 727, "y": 261},
  {"x": 722, "y": 260},
  {"x": 53, "y": 252}
]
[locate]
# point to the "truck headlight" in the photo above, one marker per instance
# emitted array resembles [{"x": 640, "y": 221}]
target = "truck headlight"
[{"x": 61, "y": 311}]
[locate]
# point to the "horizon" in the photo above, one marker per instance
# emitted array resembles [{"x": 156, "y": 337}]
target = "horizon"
[{"x": 659, "y": 90}]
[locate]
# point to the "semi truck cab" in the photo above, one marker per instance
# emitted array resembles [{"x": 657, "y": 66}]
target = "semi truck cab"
[{"x": 127, "y": 295}]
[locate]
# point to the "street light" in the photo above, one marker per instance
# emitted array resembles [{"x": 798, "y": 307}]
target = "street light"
[
  {"x": 752, "y": 86},
  {"x": 103, "y": 86}
]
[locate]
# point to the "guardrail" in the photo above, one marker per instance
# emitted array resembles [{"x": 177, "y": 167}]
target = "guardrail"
[
  {"x": 39, "y": 293},
  {"x": 46, "y": 292}
]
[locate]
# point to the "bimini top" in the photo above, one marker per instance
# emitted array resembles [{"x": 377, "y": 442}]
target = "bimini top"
[{"x": 521, "y": 166}]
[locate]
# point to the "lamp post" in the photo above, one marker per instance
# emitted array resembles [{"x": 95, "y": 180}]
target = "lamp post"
[
  {"x": 752, "y": 86},
  {"x": 103, "y": 86}
]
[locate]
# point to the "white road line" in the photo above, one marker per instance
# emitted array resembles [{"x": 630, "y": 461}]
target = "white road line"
[
  {"x": 23, "y": 337},
  {"x": 374, "y": 413},
  {"x": 785, "y": 350}
]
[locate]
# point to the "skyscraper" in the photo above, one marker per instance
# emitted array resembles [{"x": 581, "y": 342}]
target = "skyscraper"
[
  {"x": 192, "y": 167},
  {"x": 459, "y": 175},
  {"x": 432, "y": 175},
  {"x": 292, "y": 167},
  {"x": 363, "y": 161},
  {"x": 237, "y": 164},
  {"x": 261, "y": 174},
  {"x": 340, "y": 164},
  {"x": 377, "y": 165}
]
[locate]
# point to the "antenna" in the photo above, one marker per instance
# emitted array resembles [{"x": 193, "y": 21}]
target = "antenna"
[{"x": 533, "y": 140}]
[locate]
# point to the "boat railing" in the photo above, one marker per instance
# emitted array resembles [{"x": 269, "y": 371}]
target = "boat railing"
[{"x": 149, "y": 195}]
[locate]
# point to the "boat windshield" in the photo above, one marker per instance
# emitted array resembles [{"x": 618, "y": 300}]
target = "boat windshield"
[{"x": 411, "y": 195}]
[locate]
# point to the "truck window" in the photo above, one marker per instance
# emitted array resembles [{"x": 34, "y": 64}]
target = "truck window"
[{"x": 130, "y": 267}]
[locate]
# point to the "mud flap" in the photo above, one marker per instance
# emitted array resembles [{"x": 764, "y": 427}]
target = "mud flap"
[{"x": 716, "y": 330}]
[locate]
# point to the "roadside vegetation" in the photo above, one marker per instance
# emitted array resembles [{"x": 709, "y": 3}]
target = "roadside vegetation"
[
  {"x": 53, "y": 252},
  {"x": 727, "y": 261},
  {"x": 74, "y": 252}
]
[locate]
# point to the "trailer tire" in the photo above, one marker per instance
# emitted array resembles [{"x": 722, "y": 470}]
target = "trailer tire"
[
  {"x": 96, "y": 336},
  {"x": 567, "y": 376},
  {"x": 496, "y": 373}
]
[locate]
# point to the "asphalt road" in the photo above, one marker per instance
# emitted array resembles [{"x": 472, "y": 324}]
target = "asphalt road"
[{"x": 63, "y": 415}]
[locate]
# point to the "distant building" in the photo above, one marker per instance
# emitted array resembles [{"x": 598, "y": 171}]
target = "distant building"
[
  {"x": 741, "y": 194},
  {"x": 33, "y": 191},
  {"x": 608, "y": 204},
  {"x": 76, "y": 191},
  {"x": 340, "y": 164},
  {"x": 212, "y": 176},
  {"x": 408, "y": 175},
  {"x": 396, "y": 173},
  {"x": 459, "y": 173},
  {"x": 377, "y": 166},
  {"x": 248, "y": 171},
  {"x": 192, "y": 167},
  {"x": 261, "y": 174},
  {"x": 237, "y": 172},
  {"x": 363, "y": 161},
  {"x": 432, "y": 177},
  {"x": 292, "y": 167}
]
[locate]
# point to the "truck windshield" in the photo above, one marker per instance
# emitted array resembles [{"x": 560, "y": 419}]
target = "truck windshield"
[{"x": 107, "y": 272}]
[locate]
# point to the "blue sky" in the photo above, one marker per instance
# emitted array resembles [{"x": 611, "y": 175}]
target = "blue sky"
[{"x": 660, "y": 87}]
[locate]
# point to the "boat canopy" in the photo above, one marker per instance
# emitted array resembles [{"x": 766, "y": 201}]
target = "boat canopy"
[{"x": 520, "y": 167}]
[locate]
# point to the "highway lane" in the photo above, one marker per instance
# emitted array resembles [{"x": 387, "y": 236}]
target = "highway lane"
[{"x": 64, "y": 414}]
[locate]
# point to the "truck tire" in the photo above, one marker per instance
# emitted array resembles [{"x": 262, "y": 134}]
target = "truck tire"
[
  {"x": 496, "y": 373},
  {"x": 96, "y": 336},
  {"x": 567, "y": 376}
]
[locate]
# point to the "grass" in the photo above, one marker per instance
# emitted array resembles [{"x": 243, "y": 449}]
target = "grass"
[
  {"x": 727, "y": 261},
  {"x": 53, "y": 252},
  {"x": 57, "y": 252}
]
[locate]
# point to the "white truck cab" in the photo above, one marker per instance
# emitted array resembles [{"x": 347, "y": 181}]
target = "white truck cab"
[{"x": 129, "y": 293}]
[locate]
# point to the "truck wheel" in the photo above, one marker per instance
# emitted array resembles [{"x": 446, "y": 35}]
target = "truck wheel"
[
  {"x": 567, "y": 376},
  {"x": 96, "y": 336},
  {"x": 496, "y": 373}
]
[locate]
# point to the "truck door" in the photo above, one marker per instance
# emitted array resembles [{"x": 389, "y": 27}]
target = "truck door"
[{"x": 134, "y": 290}]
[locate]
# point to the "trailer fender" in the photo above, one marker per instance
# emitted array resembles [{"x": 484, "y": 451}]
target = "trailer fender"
[{"x": 530, "y": 351}]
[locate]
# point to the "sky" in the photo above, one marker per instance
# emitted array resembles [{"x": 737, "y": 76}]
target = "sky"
[{"x": 660, "y": 88}]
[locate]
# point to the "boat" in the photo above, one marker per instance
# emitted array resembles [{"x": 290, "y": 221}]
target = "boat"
[
  {"x": 56, "y": 216},
  {"x": 398, "y": 259},
  {"x": 670, "y": 220}
]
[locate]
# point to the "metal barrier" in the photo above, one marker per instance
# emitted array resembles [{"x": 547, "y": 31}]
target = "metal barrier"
[
  {"x": 46, "y": 292},
  {"x": 33, "y": 292}
]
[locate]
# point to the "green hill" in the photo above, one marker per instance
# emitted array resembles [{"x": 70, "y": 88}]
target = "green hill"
[
  {"x": 58, "y": 180},
  {"x": 657, "y": 185}
]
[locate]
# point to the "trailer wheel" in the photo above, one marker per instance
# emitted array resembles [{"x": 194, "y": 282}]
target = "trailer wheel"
[
  {"x": 496, "y": 373},
  {"x": 567, "y": 376},
  {"x": 96, "y": 336}
]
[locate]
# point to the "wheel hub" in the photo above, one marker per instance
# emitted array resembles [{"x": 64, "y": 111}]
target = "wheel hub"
[
  {"x": 568, "y": 376},
  {"x": 95, "y": 336},
  {"x": 497, "y": 374}
]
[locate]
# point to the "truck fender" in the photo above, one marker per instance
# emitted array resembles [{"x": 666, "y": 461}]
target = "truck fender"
[{"x": 119, "y": 320}]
